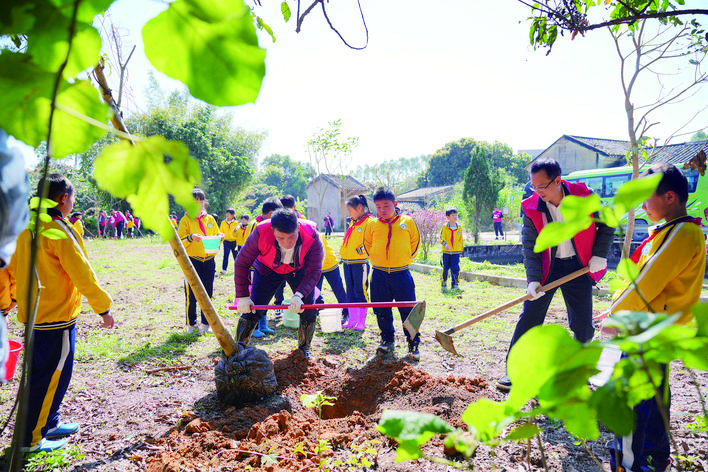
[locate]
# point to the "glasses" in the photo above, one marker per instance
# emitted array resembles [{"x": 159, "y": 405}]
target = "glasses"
[{"x": 544, "y": 187}]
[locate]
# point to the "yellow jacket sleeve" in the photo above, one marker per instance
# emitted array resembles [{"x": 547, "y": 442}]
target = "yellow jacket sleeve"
[
  {"x": 7, "y": 291},
  {"x": 329, "y": 262},
  {"x": 184, "y": 231}
]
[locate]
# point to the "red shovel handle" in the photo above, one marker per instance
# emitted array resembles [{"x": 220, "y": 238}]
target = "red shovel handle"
[{"x": 335, "y": 305}]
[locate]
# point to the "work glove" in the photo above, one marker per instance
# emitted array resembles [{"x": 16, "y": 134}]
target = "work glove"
[
  {"x": 532, "y": 289},
  {"x": 244, "y": 305},
  {"x": 296, "y": 303},
  {"x": 597, "y": 264}
]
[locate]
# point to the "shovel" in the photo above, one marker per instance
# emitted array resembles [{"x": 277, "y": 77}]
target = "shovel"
[
  {"x": 412, "y": 323},
  {"x": 445, "y": 339}
]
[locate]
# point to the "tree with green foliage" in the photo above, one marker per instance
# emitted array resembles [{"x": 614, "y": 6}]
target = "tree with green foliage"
[
  {"x": 400, "y": 174},
  {"x": 447, "y": 165},
  {"x": 285, "y": 174},
  {"x": 481, "y": 187},
  {"x": 699, "y": 135}
]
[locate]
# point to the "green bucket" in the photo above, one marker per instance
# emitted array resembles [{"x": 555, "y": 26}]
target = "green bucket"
[
  {"x": 211, "y": 244},
  {"x": 290, "y": 319}
]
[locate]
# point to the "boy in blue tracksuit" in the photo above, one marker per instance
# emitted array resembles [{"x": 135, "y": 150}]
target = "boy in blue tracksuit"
[
  {"x": 392, "y": 241},
  {"x": 671, "y": 264}
]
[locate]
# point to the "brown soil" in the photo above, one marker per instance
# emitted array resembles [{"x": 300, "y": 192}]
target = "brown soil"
[{"x": 239, "y": 438}]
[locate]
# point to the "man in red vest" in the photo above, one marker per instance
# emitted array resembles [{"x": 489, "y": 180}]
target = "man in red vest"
[
  {"x": 284, "y": 248},
  {"x": 587, "y": 248}
]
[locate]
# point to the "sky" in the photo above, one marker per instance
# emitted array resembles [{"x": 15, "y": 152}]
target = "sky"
[{"x": 433, "y": 72}]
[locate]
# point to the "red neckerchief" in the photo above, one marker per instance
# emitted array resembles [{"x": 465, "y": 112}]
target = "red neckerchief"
[
  {"x": 638, "y": 252},
  {"x": 243, "y": 230},
  {"x": 201, "y": 224},
  {"x": 452, "y": 235},
  {"x": 351, "y": 227},
  {"x": 390, "y": 229}
]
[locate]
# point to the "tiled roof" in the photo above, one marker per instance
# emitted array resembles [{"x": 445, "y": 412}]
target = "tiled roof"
[
  {"x": 346, "y": 182},
  {"x": 424, "y": 192},
  {"x": 409, "y": 207},
  {"x": 674, "y": 153}
]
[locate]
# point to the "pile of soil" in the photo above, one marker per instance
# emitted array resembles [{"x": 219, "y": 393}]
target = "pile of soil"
[{"x": 279, "y": 434}]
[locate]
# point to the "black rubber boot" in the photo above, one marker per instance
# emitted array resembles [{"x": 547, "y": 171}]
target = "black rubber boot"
[
  {"x": 244, "y": 329},
  {"x": 304, "y": 336}
]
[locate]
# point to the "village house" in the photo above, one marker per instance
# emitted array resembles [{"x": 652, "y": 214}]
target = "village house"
[{"x": 329, "y": 193}]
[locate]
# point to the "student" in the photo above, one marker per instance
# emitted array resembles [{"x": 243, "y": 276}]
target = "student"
[
  {"x": 587, "y": 248},
  {"x": 355, "y": 261},
  {"x": 284, "y": 248},
  {"x": 75, "y": 220},
  {"x": 112, "y": 225},
  {"x": 671, "y": 264},
  {"x": 136, "y": 220},
  {"x": 288, "y": 201},
  {"x": 245, "y": 228},
  {"x": 191, "y": 231},
  {"x": 101, "y": 220},
  {"x": 173, "y": 219},
  {"x": 392, "y": 241},
  {"x": 66, "y": 275},
  {"x": 330, "y": 271},
  {"x": 497, "y": 216},
  {"x": 229, "y": 227},
  {"x": 130, "y": 225},
  {"x": 451, "y": 240}
]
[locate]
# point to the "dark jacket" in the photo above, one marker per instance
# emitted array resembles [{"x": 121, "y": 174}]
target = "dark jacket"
[{"x": 534, "y": 261}]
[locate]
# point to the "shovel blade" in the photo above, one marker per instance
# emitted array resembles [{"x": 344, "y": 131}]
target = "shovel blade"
[
  {"x": 415, "y": 319},
  {"x": 445, "y": 341}
]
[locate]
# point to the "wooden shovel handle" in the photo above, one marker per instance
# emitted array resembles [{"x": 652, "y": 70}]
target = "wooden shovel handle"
[{"x": 516, "y": 301}]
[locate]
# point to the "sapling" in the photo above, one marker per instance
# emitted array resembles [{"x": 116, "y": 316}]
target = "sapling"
[{"x": 317, "y": 401}]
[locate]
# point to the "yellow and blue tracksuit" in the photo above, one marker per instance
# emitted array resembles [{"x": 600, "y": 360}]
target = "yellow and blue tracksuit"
[
  {"x": 203, "y": 263},
  {"x": 355, "y": 261},
  {"x": 452, "y": 236},
  {"x": 230, "y": 230},
  {"x": 64, "y": 274},
  {"x": 671, "y": 263},
  {"x": 391, "y": 246},
  {"x": 330, "y": 271}
]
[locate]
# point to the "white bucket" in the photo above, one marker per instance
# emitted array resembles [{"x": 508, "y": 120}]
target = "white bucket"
[
  {"x": 331, "y": 320},
  {"x": 609, "y": 357}
]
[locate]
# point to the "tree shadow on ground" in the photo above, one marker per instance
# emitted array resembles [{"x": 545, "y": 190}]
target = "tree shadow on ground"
[{"x": 173, "y": 347}]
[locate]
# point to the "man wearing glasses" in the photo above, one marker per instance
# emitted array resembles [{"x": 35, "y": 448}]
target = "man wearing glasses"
[{"x": 587, "y": 248}]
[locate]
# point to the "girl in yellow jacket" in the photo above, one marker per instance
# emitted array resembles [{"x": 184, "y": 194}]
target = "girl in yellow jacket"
[{"x": 191, "y": 231}]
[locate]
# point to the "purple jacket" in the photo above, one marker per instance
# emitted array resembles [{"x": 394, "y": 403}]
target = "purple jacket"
[{"x": 247, "y": 258}]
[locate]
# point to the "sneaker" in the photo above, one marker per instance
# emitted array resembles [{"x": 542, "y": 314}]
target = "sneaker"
[
  {"x": 385, "y": 348},
  {"x": 413, "y": 352},
  {"x": 64, "y": 429},
  {"x": 45, "y": 445},
  {"x": 278, "y": 315},
  {"x": 257, "y": 333},
  {"x": 504, "y": 384},
  {"x": 204, "y": 328},
  {"x": 192, "y": 329}
]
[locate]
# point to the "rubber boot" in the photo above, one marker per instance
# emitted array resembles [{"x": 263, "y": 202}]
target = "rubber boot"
[
  {"x": 351, "y": 321},
  {"x": 245, "y": 329},
  {"x": 361, "y": 319},
  {"x": 304, "y": 336},
  {"x": 263, "y": 325},
  {"x": 345, "y": 316}
]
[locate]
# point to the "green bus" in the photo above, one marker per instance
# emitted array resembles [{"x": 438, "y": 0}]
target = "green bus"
[{"x": 605, "y": 182}]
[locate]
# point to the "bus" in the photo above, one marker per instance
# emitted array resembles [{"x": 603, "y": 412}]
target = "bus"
[{"x": 605, "y": 183}]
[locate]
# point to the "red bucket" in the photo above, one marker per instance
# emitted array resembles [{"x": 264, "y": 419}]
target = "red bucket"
[{"x": 15, "y": 348}]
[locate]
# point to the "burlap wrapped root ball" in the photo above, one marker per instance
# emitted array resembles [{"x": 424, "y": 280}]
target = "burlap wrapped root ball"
[{"x": 244, "y": 377}]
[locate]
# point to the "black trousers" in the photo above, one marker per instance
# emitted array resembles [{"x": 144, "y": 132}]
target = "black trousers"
[
  {"x": 205, "y": 270},
  {"x": 230, "y": 248}
]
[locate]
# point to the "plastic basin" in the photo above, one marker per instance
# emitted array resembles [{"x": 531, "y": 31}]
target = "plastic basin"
[
  {"x": 15, "y": 348},
  {"x": 331, "y": 320},
  {"x": 290, "y": 319}
]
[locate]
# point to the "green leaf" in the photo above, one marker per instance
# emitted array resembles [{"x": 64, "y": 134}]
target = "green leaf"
[
  {"x": 525, "y": 431},
  {"x": 579, "y": 419},
  {"x": 53, "y": 233},
  {"x": 286, "y": 11},
  {"x": 617, "y": 284},
  {"x": 73, "y": 135},
  {"x": 486, "y": 418},
  {"x": 145, "y": 174},
  {"x": 263, "y": 25},
  {"x": 635, "y": 192},
  {"x": 612, "y": 408},
  {"x": 45, "y": 203},
  {"x": 700, "y": 313},
  {"x": 577, "y": 209},
  {"x": 213, "y": 49},
  {"x": 609, "y": 216},
  {"x": 411, "y": 430},
  {"x": 556, "y": 232},
  {"x": 627, "y": 269}
]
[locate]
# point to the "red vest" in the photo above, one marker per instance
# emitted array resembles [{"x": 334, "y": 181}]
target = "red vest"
[
  {"x": 582, "y": 242},
  {"x": 268, "y": 250}
]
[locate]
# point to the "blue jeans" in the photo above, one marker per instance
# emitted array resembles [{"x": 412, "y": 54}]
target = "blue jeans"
[
  {"x": 451, "y": 262},
  {"x": 264, "y": 287},
  {"x": 387, "y": 287}
]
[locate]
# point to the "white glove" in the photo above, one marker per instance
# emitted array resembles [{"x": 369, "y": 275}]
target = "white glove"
[
  {"x": 296, "y": 303},
  {"x": 244, "y": 305},
  {"x": 597, "y": 264},
  {"x": 532, "y": 290}
]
